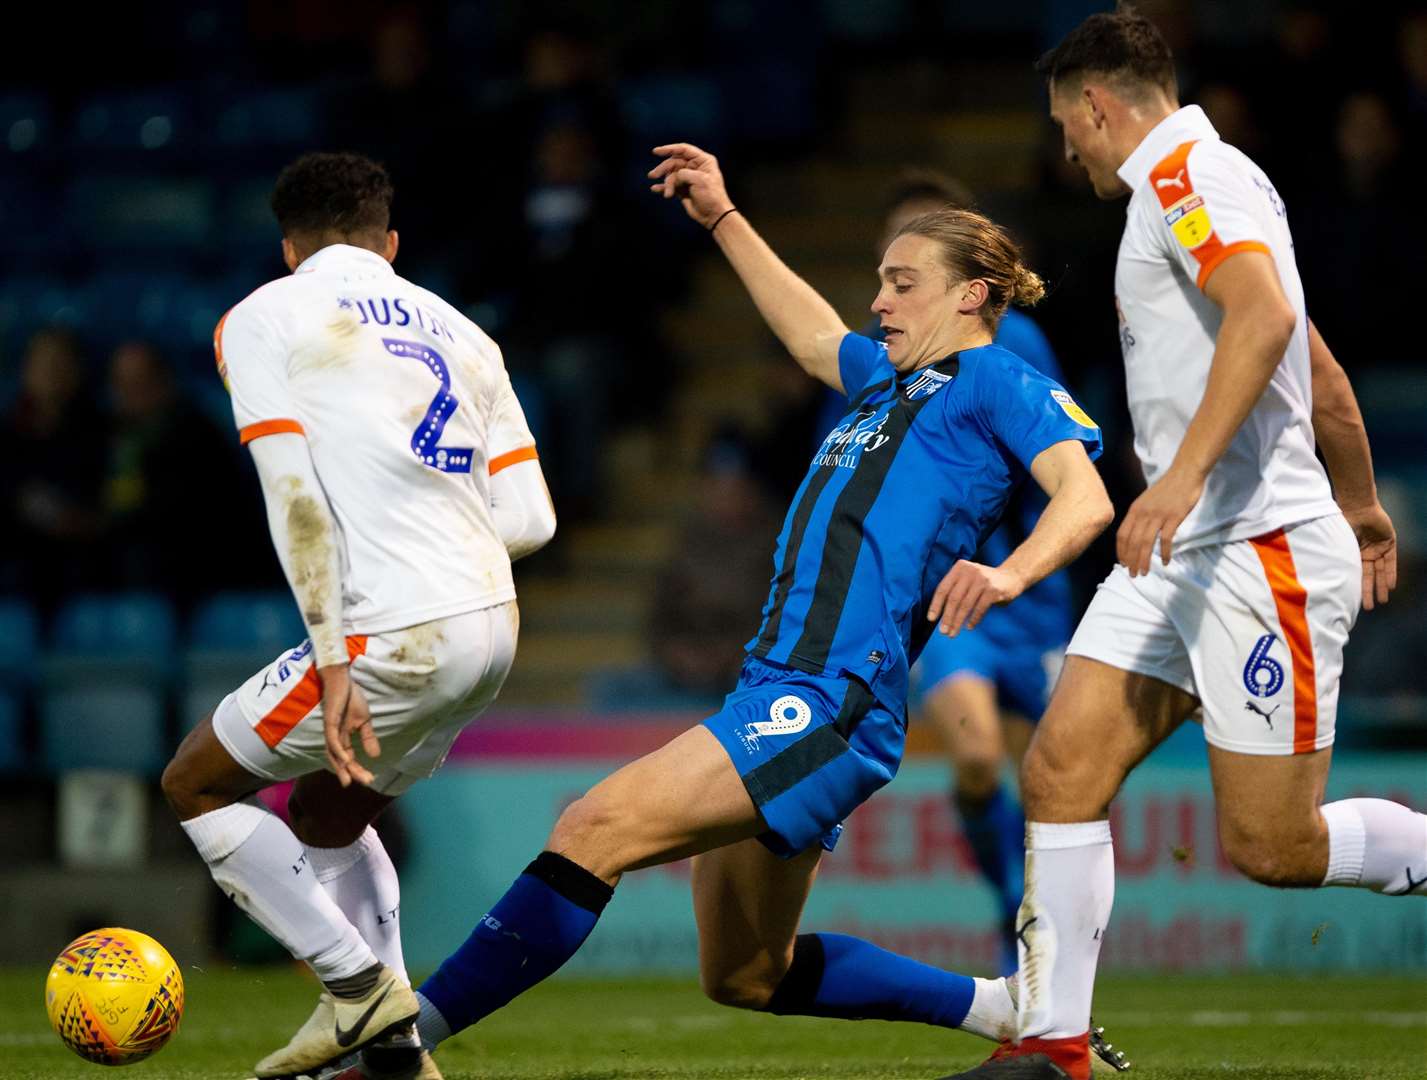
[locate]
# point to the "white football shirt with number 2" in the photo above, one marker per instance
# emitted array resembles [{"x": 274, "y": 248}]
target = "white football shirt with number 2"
[{"x": 408, "y": 411}]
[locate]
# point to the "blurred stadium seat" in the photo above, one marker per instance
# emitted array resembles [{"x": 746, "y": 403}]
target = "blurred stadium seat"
[
  {"x": 273, "y": 119},
  {"x": 660, "y": 108},
  {"x": 133, "y": 128},
  {"x": 26, "y": 127},
  {"x": 231, "y": 636},
  {"x": 103, "y": 684},
  {"x": 28, "y": 302},
  {"x": 20, "y": 631},
  {"x": 12, "y": 734},
  {"x": 118, "y": 214}
]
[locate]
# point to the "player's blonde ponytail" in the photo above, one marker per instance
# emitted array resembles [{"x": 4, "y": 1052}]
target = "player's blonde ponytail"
[
  {"x": 1028, "y": 289},
  {"x": 973, "y": 246}
]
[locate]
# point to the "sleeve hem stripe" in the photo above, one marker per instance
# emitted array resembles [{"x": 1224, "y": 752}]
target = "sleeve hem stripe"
[
  {"x": 1212, "y": 263},
  {"x": 269, "y": 427},
  {"x": 514, "y": 457}
]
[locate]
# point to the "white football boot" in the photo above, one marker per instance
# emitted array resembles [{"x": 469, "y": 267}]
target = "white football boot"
[{"x": 341, "y": 1026}]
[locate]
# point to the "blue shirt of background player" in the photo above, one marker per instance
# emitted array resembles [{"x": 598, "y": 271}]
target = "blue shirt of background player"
[
  {"x": 915, "y": 476},
  {"x": 1042, "y": 615}
]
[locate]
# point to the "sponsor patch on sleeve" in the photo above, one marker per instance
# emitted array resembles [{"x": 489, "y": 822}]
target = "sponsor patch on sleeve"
[
  {"x": 1189, "y": 220},
  {"x": 1072, "y": 410}
]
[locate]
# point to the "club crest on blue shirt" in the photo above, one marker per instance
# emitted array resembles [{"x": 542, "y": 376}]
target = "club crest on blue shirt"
[{"x": 926, "y": 384}]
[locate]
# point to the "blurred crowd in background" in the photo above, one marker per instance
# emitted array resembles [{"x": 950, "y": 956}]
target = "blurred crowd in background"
[{"x": 133, "y": 213}]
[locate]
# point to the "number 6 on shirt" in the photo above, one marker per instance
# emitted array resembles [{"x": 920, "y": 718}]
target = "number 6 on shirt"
[{"x": 425, "y": 440}]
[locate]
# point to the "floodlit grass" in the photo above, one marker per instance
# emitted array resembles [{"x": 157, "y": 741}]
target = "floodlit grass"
[{"x": 569, "y": 1029}]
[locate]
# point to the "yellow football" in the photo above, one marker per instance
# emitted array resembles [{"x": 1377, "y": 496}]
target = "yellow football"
[{"x": 114, "y": 996}]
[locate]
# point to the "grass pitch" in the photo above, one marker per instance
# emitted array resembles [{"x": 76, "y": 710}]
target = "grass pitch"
[{"x": 567, "y": 1029}]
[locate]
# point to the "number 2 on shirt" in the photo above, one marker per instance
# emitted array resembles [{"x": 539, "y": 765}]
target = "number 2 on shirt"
[{"x": 425, "y": 440}]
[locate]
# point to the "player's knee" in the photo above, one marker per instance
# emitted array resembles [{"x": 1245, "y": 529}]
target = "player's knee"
[
  {"x": 1286, "y": 860},
  {"x": 595, "y": 831},
  {"x": 179, "y": 789},
  {"x": 1039, "y": 782},
  {"x": 978, "y": 775},
  {"x": 739, "y": 989}
]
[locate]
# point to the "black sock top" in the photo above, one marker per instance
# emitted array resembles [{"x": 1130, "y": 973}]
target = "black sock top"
[{"x": 571, "y": 880}]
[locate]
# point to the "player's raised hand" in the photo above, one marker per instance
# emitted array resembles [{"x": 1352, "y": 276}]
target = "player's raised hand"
[
  {"x": 1377, "y": 541},
  {"x": 692, "y": 176},
  {"x": 345, "y": 716},
  {"x": 1157, "y": 513},
  {"x": 967, "y": 591}
]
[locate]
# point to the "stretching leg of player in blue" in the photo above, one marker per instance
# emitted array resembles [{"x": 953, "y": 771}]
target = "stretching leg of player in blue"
[
  {"x": 965, "y": 711},
  {"x": 747, "y": 900}
]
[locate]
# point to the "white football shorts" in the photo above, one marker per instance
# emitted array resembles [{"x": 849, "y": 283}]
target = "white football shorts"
[
  {"x": 1254, "y": 629},
  {"x": 423, "y": 684}
]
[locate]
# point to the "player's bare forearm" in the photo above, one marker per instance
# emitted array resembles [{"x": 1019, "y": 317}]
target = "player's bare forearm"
[
  {"x": 1339, "y": 429},
  {"x": 803, "y": 321},
  {"x": 1256, "y": 330},
  {"x": 305, "y": 537},
  {"x": 1079, "y": 510}
]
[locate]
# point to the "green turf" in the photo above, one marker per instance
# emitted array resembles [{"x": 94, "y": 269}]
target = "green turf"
[{"x": 1173, "y": 1026}]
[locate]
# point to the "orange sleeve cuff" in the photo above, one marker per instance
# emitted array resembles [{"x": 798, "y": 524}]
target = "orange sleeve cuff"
[
  {"x": 269, "y": 427},
  {"x": 1209, "y": 265},
  {"x": 514, "y": 457}
]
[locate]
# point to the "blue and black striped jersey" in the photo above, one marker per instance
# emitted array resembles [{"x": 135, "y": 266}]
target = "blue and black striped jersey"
[{"x": 914, "y": 477}]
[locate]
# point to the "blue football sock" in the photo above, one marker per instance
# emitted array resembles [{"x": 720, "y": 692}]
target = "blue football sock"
[
  {"x": 851, "y": 979},
  {"x": 996, "y": 830},
  {"x": 533, "y": 929}
]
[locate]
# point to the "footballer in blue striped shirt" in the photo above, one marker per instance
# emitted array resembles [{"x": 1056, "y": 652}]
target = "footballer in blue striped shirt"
[{"x": 874, "y": 556}]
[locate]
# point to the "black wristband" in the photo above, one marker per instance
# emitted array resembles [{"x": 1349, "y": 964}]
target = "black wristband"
[{"x": 725, "y": 214}]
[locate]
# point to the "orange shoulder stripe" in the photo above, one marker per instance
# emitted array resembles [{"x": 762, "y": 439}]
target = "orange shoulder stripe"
[
  {"x": 218, "y": 347},
  {"x": 514, "y": 457},
  {"x": 269, "y": 427},
  {"x": 1173, "y": 186}
]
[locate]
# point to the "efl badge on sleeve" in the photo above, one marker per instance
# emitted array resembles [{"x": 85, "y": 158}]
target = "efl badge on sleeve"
[
  {"x": 1072, "y": 410},
  {"x": 1189, "y": 219}
]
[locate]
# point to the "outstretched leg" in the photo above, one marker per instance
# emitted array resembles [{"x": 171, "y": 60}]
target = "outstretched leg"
[{"x": 682, "y": 799}]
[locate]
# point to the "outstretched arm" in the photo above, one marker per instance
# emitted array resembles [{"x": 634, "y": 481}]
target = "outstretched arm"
[
  {"x": 1078, "y": 512},
  {"x": 1338, "y": 427},
  {"x": 805, "y": 323}
]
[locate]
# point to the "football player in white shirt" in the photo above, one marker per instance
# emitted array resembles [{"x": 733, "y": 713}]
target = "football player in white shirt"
[
  {"x": 400, "y": 480},
  {"x": 1241, "y": 570}
]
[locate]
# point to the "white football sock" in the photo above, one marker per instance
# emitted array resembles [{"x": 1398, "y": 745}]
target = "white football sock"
[
  {"x": 1070, "y": 889},
  {"x": 993, "y": 1011},
  {"x": 258, "y": 862},
  {"x": 362, "y": 881},
  {"x": 431, "y": 1026},
  {"x": 1376, "y": 844}
]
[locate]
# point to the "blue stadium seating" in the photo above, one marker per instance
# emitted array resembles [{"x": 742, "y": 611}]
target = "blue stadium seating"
[
  {"x": 28, "y": 302},
  {"x": 104, "y": 683},
  {"x": 264, "y": 620},
  {"x": 267, "y": 119},
  {"x": 12, "y": 736},
  {"x": 20, "y": 631},
  {"x": 27, "y": 129},
  {"x": 122, "y": 625},
  {"x": 148, "y": 214},
  {"x": 232, "y": 636},
  {"x": 658, "y": 108},
  {"x": 137, "y": 127},
  {"x": 103, "y": 722}
]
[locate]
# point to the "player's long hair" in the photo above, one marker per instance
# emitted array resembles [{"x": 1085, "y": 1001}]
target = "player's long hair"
[{"x": 974, "y": 246}]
